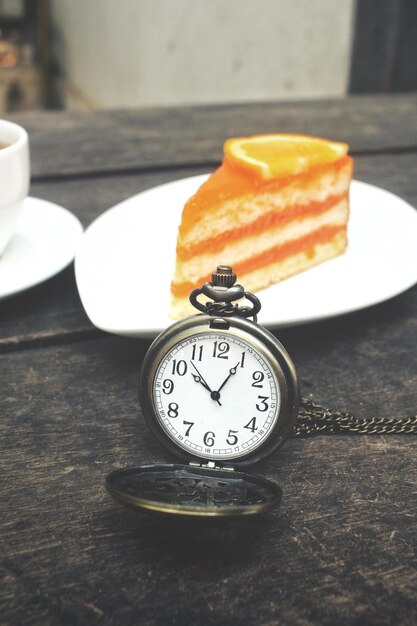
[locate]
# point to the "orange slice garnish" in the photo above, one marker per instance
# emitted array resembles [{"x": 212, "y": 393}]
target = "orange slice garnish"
[{"x": 273, "y": 156}]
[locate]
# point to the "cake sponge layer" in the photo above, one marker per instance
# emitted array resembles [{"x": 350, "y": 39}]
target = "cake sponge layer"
[
  {"x": 236, "y": 251},
  {"x": 235, "y": 201},
  {"x": 276, "y": 265}
]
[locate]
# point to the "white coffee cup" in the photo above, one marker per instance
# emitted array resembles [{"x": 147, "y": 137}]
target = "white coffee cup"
[{"x": 14, "y": 177}]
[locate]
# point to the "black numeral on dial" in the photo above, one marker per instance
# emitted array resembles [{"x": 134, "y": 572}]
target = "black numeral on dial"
[
  {"x": 209, "y": 439},
  {"x": 167, "y": 386},
  {"x": 232, "y": 439},
  {"x": 257, "y": 378},
  {"x": 263, "y": 404},
  {"x": 179, "y": 367},
  {"x": 197, "y": 353},
  {"x": 220, "y": 349},
  {"x": 251, "y": 425},
  {"x": 190, "y": 425},
  {"x": 173, "y": 409}
]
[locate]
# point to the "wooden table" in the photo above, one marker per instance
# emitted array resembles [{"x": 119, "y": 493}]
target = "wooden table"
[{"x": 340, "y": 548}]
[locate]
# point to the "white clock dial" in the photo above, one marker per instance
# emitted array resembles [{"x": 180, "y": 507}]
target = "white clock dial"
[{"x": 216, "y": 396}]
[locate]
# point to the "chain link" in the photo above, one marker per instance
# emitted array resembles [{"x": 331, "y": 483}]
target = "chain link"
[
  {"x": 221, "y": 308},
  {"x": 314, "y": 419}
]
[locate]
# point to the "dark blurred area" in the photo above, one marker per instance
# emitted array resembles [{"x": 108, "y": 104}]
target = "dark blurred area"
[
  {"x": 384, "y": 47},
  {"x": 24, "y": 55}
]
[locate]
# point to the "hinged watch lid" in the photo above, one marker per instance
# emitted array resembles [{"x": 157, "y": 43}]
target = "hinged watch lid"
[{"x": 192, "y": 491}]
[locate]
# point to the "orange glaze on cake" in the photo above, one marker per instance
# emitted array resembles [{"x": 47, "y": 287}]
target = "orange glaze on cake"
[
  {"x": 305, "y": 244},
  {"x": 265, "y": 222},
  {"x": 231, "y": 181}
]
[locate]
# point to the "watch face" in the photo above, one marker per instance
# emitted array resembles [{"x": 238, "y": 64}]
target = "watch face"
[{"x": 216, "y": 395}]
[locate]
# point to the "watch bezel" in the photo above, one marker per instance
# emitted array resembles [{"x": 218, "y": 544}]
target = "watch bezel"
[{"x": 270, "y": 348}]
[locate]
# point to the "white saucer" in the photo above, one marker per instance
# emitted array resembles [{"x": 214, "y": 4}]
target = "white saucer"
[
  {"x": 126, "y": 260},
  {"x": 44, "y": 244}
]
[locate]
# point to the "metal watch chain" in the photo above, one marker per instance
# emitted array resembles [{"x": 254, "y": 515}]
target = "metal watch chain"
[{"x": 313, "y": 419}]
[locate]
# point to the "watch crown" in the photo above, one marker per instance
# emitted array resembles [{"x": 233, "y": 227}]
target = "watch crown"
[{"x": 223, "y": 276}]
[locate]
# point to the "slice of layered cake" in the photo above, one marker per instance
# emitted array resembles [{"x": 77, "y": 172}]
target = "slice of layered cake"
[{"x": 278, "y": 205}]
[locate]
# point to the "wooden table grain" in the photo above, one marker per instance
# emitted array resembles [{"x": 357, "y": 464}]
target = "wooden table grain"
[{"x": 340, "y": 549}]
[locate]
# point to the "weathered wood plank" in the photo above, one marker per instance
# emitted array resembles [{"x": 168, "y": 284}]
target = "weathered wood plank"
[
  {"x": 53, "y": 312},
  {"x": 339, "y": 550},
  {"x": 110, "y": 141},
  {"x": 364, "y": 362}
]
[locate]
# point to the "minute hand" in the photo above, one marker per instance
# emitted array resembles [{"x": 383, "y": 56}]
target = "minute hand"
[
  {"x": 199, "y": 379},
  {"x": 232, "y": 371}
]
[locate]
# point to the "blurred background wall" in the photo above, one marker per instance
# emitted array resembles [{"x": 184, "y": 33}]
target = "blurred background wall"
[
  {"x": 162, "y": 52},
  {"x": 88, "y": 54}
]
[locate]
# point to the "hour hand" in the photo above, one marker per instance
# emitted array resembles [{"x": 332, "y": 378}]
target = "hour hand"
[
  {"x": 232, "y": 371},
  {"x": 199, "y": 379}
]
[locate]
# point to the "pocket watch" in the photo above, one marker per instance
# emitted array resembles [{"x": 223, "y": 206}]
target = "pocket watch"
[{"x": 220, "y": 392}]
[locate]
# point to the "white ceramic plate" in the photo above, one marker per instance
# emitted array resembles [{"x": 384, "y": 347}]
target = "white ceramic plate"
[
  {"x": 125, "y": 262},
  {"x": 44, "y": 244}
]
